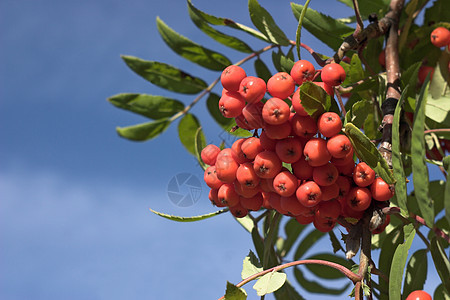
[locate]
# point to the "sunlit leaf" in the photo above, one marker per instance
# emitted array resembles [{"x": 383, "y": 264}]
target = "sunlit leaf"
[
  {"x": 440, "y": 262},
  {"x": 265, "y": 23},
  {"x": 165, "y": 76},
  {"x": 189, "y": 219},
  {"x": 250, "y": 266},
  {"x": 144, "y": 131},
  {"x": 190, "y": 50},
  {"x": 269, "y": 283},
  {"x": 329, "y": 30},
  {"x": 366, "y": 8},
  {"x": 150, "y": 106}
]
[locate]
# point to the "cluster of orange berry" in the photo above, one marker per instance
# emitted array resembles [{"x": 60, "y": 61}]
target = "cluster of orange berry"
[{"x": 300, "y": 166}]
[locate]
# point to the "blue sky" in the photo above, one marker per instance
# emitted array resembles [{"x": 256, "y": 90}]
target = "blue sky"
[{"x": 74, "y": 219}]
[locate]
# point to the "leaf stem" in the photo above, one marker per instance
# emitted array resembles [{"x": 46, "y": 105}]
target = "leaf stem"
[
  {"x": 348, "y": 273},
  {"x": 299, "y": 28}
]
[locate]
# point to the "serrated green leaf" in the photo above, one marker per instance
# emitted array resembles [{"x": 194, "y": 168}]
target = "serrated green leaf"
[
  {"x": 234, "y": 293},
  {"x": 440, "y": 83},
  {"x": 399, "y": 261},
  {"x": 440, "y": 262},
  {"x": 144, "y": 131},
  {"x": 367, "y": 152},
  {"x": 326, "y": 272},
  {"x": 397, "y": 161},
  {"x": 165, "y": 76},
  {"x": 189, "y": 219},
  {"x": 269, "y": 283},
  {"x": 310, "y": 239},
  {"x": 438, "y": 110},
  {"x": 246, "y": 222},
  {"x": 227, "y": 40},
  {"x": 187, "y": 129},
  {"x": 265, "y": 23},
  {"x": 292, "y": 230},
  {"x": 250, "y": 266},
  {"x": 328, "y": 30},
  {"x": 191, "y": 51},
  {"x": 416, "y": 272},
  {"x": 262, "y": 71},
  {"x": 419, "y": 167},
  {"x": 314, "y": 99},
  {"x": 316, "y": 287},
  {"x": 230, "y": 23},
  {"x": 150, "y": 106},
  {"x": 367, "y": 7}
]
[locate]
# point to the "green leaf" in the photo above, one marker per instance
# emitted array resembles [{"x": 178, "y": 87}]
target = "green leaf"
[
  {"x": 419, "y": 167},
  {"x": 246, "y": 222},
  {"x": 265, "y": 23},
  {"x": 399, "y": 261},
  {"x": 262, "y": 71},
  {"x": 440, "y": 262},
  {"x": 227, "y": 40},
  {"x": 325, "y": 271},
  {"x": 234, "y": 293},
  {"x": 292, "y": 230},
  {"x": 329, "y": 30},
  {"x": 416, "y": 272},
  {"x": 251, "y": 265},
  {"x": 281, "y": 62},
  {"x": 189, "y": 219},
  {"x": 307, "y": 242},
  {"x": 230, "y": 23},
  {"x": 437, "y": 189},
  {"x": 438, "y": 110},
  {"x": 199, "y": 144},
  {"x": 397, "y": 161},
  {"x": 315, "y": 100},
  {"x": 269, "y": 283},
  {"x": 447, "y": 192},
  {"x": 440, "y": 293},
  {"x": 367, "y": 152},
  {"x": 439, "y": 11},
  {"x": 334, "y": 241},
  {"x": 257, "y": 242},
  {"x": 190, "y": 50},
  {"x": 390, "y": 243},
  {"x": 409, "y": 78},
  {"x": 368, "y": 7},
  {"x": 187, "y": 130},
  {"x": 165, "y": 76},
  {"x": 150, "y": 106},
  {"x": 315, "y": 287},
  {"x": 287, "y": 291},
  {"x": 360, "y": 111},
  {"x": 144, "y": 131}
]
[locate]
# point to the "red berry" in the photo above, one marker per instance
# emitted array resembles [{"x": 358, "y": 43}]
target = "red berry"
[
  {"x": 380, "y": 190},
  {"x": 297, "y": 104},
  {"x": 238, "y": 210},
  {"x": 325, "y": 175},
  {"x": 231, "y": 104},
  {"x": 329, "y": 124},
  {"x": 423, "y": 72},
  {"x": 267, "y": 164},
  {"x": 302, "y": 71},
  {"x": 227, "y": 195},
  {"x": 209, "y": 154},
  {"x": 363, "y": 175},
  {"x": 285, "y": 184},
  {"x": 309, "y": 194},
  {"x": 226, "y": 168},
  {"x": 281, "y": 85},
  {"x": 210, "y": 178},
  {"x": 278, "y": 132},
  {"x": 302, "y": 169},
  {"x": 333, "y": 74},
  {"x": 359, "y": 198},
  {"x": 289, "y": 150},
  {"x": 419, "y": 295},
  {"x": 251, "y": 147},
  {"x": 276, "y": 111},
  {"x": 252, "y": 89},
  {"x": 339, "y": 146},
  {"x": 252, "y": 112},
  {"x": 316, "y": 152},
  {"x": 231, "y": 78},
  {"x": 303, "y": 126},
  {"x": 440, "y": 37},
  {"x": 253, "y": 203},
  {"x": 245, "y": 175}
]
